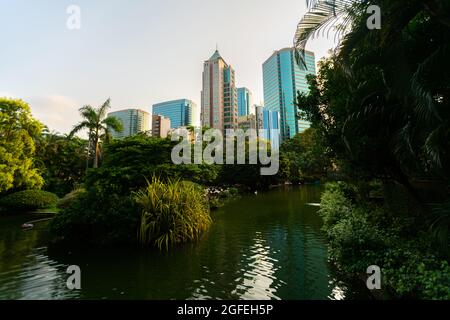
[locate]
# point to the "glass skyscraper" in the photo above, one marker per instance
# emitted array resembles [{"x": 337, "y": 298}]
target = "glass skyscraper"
[
  {"x": 134, "y": 121},
  {"x": 269, "y": 121},
  {"x": 245, "y": 102},
  {"x": 282, "y": 78},
  {"x": 180, "y": 112}
]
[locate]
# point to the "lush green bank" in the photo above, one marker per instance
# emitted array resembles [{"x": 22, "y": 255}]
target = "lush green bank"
[{"x": 365, "y": 232}]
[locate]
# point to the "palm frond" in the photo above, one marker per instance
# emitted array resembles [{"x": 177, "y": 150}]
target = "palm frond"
[
  {"x": 113, "y": 123},
  {"x": 103, "y": 109},
  {"x": 426, "y": 107},
  {"x": 80, "y": 126},
  {"x": 88, "y": 112},
  {"x": 322, "y": 16}
]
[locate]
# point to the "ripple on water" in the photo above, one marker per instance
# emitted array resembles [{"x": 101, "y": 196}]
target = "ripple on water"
[{"x": 38, "y": 277}]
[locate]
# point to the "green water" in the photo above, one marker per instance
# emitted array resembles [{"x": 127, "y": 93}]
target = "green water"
[{"x": 264, "y": 246}]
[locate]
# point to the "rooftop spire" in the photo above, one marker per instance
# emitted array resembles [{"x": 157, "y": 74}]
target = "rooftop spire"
[{"x": 216, "y": 55}]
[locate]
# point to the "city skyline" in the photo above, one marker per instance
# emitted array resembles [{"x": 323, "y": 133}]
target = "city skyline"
[{"x": 119, "y": 52}]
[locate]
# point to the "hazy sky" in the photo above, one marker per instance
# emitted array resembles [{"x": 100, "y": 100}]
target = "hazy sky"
[{"x": 138, "y": 52}]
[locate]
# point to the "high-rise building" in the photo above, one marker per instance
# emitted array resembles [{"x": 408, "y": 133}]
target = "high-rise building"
[
  {"x": 282, "y": 78},
  {"x": 219, "y": 96},
  {"x": 160, "y": 126},
  {"x": 268, "y": 121},
  {"x": 259, "y": 116},
  {"x": 247, "y": 122},
  {"x": 180, "y": 112},
  {"x": 245, "y": 102},
  {"x": 134, "y": 121},
  {"x": 271, "y": 125}
]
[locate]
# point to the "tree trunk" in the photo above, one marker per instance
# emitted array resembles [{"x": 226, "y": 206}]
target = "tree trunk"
[{"x": 96, "y": 153}]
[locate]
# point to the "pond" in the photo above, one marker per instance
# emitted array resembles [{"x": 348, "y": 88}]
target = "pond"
[{"x": 262, "y": 246}]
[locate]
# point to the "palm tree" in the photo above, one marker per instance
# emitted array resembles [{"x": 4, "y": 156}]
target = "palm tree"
[
  {"x": 324, "y": 16},
  {"x": 98, "y": 125},
  {"x": 409, "y": 95}
]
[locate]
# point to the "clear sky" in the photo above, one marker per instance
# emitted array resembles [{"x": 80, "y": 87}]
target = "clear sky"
[{"x": 138, "y": 52}]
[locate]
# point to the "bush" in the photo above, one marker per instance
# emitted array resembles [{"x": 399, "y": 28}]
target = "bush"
[
  {"x": 70, "y": 198},
  {"x": 97, "y": 218},
  {"x": 29, "y": 200},
  {"x": 172, "y": 212},
  {"x": 364, "y": 234}
]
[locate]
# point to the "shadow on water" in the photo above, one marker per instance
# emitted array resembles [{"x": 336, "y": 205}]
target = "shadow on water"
[{"x": 265, "y": 246}]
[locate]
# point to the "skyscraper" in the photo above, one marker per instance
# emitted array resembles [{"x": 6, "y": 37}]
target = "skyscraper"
[
  {"x": 268, "y": 121},
  {"x": 282, "y": 78},
  {"x": 247, "y": 122},
  {"x": 160, "y": 126},
  {"x": 134, "y": 121},
  {"x": 245, "y": 102},
  {"x": 219, "y": 96},
  {"x": 180, "y": 112}
]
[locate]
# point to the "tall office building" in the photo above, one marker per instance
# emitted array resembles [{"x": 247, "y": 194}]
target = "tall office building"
[
  {"x": 259, "y": 117},
  {"x": 245, "y": 102},
  {"x": 180, "y": 112},
  {"x": 160, "y": 126},
  {"x": 247, "y": 122},
  {"x": 219, "y": 96},
  {"x": 271, "y": 121},
  {"x": 282, "y": 78},
  {"x": 268, "y": 121},
  {"x": 134, "y": 121}
]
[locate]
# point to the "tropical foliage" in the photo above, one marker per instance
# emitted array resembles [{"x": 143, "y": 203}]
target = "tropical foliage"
[
  {"x": 62, "y": 161},
  {"x": 380, "y": 103},
  {"x": 304, "y": 158},
  {"x": 173, "y": 212},
  {"x": 363, "y": 233},
  {"x": 99, "y": 126},
  {"x": 18, "y": 129}
]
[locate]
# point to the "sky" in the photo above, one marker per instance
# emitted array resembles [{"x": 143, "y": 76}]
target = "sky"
[{"x": 136, "y": 52}]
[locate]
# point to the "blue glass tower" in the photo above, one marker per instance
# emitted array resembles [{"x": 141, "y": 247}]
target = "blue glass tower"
[
  {"x": 282, "y": 78},
  {"x": 244, "y": 102},
  {"x": 180, "y": 112}
]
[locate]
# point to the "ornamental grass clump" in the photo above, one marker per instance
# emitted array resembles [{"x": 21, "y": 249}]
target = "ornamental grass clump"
[{"x": 173, "y": 212}]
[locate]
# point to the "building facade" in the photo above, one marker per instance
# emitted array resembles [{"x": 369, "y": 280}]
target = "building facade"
[
  {"x": 160, "y": 126},
  {"x": 268, "y": 121},
  {"x": 245, "y": 102},
  {"x": 180, "y": 112},
  {"x": 259, "y": 117},
  {"x": 271, "y": 123},
  {"x": 282, "y": 78},
  {"x": 247, "y": 122},
  {"x": 219, "y": 95},
  {"x": 134, "y": 121}
]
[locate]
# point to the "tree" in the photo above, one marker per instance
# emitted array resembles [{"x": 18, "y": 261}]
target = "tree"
[
  {"x": 18, "y": 129},
  {"x": 62, "y": 161},
  {"x": 304, "y": 158},
  {"x": 382, "y": 99},
  {"x": 98, "y": 125}
]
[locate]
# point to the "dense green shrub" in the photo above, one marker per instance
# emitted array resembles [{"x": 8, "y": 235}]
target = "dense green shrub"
[
  {"x": 97, "y": 218},
  {"x": 29, "y": 200},
  {"x": 364, "y": 234},
  {"x": 70, "y": 198},
  {"x": 172, "y": 212}
]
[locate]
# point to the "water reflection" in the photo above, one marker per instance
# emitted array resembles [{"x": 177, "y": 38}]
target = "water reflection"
[
  {"x": 265, "y": 246},
  {"x": 258, "y": 280}
]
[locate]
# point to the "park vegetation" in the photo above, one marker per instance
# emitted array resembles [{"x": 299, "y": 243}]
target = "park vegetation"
[
  {"x": 380, "y": 106},
  {"x": 379, "y": 110}
]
